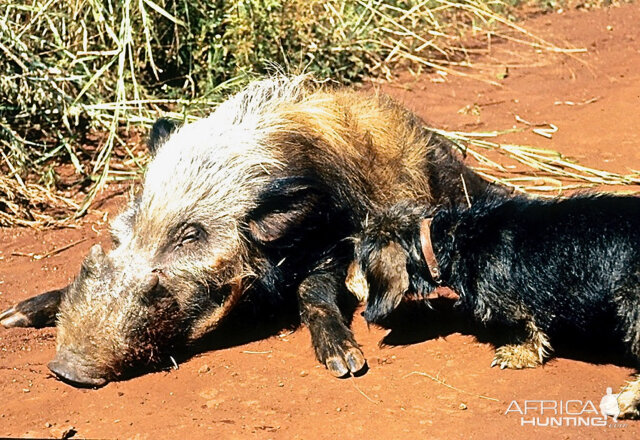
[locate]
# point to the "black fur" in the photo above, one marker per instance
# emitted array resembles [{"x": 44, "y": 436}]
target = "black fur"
[
  {"x": 302, "y": 225},
  {"x": 571, "y": 267},
  {"x": 160, "y": 132},
  {"x": 301, "y": 231}
]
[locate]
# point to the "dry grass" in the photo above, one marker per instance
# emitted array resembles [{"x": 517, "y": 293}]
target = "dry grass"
[
  {"x": 28, "y": 204},
  {"x": 534, "y": 170},
  {"x": 84, "y": 72}
]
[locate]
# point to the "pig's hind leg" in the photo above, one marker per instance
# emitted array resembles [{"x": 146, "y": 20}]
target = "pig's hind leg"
[{"x": 37, "y": 311}]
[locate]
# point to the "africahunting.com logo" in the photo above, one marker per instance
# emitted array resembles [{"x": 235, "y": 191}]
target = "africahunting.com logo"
[{"x": 568, "y": 412}]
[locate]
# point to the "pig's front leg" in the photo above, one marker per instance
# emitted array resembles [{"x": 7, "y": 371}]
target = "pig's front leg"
[{"x": 332, "y": 340}]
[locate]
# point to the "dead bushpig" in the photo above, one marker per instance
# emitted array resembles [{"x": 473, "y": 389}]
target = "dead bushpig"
[{"x": 257, "y": 200}]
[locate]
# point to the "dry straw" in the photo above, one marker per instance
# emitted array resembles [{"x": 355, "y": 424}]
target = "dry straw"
[
  {"x": 542, "y": 171},
  {"x": 77, "y": 76}
]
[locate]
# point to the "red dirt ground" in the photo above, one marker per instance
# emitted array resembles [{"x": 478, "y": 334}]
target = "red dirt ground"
[{"x": 273, "y": 388}]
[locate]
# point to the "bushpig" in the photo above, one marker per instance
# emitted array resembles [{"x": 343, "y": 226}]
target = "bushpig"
[{"x": 256, "y": 201}]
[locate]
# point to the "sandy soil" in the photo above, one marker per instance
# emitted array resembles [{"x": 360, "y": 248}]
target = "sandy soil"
[{"x": 273, "y": 387}]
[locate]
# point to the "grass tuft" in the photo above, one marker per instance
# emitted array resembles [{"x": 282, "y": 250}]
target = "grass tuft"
[
  {"x": 79, "y": 77},
  {"x": 539, "y": 171}
]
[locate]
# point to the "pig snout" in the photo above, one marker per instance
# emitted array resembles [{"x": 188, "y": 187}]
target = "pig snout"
[
  {"x": 80, "y": 359},
  {"x": 68, "y": 369}
]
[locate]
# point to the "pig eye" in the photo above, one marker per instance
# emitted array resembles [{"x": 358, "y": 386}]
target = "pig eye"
[{"x": 191, "y": 234}]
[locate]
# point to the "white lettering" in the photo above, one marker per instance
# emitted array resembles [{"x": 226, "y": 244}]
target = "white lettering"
[
  {"x": 555, "y": 421},
  {"x": 524, "y": 421},
  {"x": 589, "y": 407},
  {"x": 531, "y": 405},
  {"x": 516, "y": 409},
  {"x": 577, "y": 407},
  {"x": 550, "y": 406}
]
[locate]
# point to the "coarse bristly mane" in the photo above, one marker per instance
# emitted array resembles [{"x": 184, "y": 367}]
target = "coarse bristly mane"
[
  {"x": 222, "y": 160},
  {"x": 218, "y": 160}
]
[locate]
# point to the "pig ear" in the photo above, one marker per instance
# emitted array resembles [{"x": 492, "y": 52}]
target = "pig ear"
[
  {"x": 388, "y": 280},
  {"x": 287, "y": 206},
  {"x": 159, "y": 134}
]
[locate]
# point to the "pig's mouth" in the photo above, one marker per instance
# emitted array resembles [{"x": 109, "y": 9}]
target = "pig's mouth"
[{"x": 74, "y": 374}]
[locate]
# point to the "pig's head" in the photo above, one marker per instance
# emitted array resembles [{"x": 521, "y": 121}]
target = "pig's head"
[{"x": 188, "y": 246}]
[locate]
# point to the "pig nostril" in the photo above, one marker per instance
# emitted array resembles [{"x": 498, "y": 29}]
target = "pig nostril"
[{"x": 74, "y": 375}]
